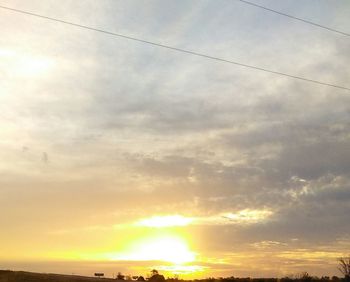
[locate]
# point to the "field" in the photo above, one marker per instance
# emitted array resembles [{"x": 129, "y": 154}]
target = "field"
[{"x": 21, "y": 276}]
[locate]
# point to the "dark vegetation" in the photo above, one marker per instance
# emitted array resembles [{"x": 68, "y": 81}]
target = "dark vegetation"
[{"x": 21, "y": 276}]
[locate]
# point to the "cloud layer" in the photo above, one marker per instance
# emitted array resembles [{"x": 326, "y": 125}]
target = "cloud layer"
[{"x": 100, "y": 131}]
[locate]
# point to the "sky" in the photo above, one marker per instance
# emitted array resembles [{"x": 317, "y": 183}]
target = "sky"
[{"x": 121, "y": 156}]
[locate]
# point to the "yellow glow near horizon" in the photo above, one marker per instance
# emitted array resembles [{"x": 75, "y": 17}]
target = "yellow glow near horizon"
[
  {"x": 165, "y": 221},
  {"x": 182, "y": 269},
  {"x": 168, "y": 249}
]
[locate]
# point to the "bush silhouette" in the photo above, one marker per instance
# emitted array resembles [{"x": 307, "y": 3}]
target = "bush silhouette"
[{"x": 156, "y": 277}]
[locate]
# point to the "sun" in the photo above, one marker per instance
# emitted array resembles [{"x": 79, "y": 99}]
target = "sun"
[
  {"x": 168, "y": 249},
  {"x": 22, "y": 64}
]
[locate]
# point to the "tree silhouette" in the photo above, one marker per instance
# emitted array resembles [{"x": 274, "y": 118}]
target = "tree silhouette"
[
  {"x": 156, "y": 277},
  {"x": 154, "y": 272},
  {"x": 120, "y": 276},
  {"x": 304, "y": 276},
  {"x": 344, "y": 267}
]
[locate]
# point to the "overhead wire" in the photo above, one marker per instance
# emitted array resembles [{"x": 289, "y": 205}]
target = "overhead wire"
[
  {"x": 175, "y": 48},
  {"x": 294, "y": 17}
]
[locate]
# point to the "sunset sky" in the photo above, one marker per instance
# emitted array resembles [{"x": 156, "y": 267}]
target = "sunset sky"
[{"x": 121, "y": 156}]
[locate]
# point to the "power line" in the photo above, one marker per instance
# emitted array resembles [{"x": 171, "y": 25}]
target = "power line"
[
  {"x": 294, "y": 18},
  {"x": 176, "y": 49}
]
